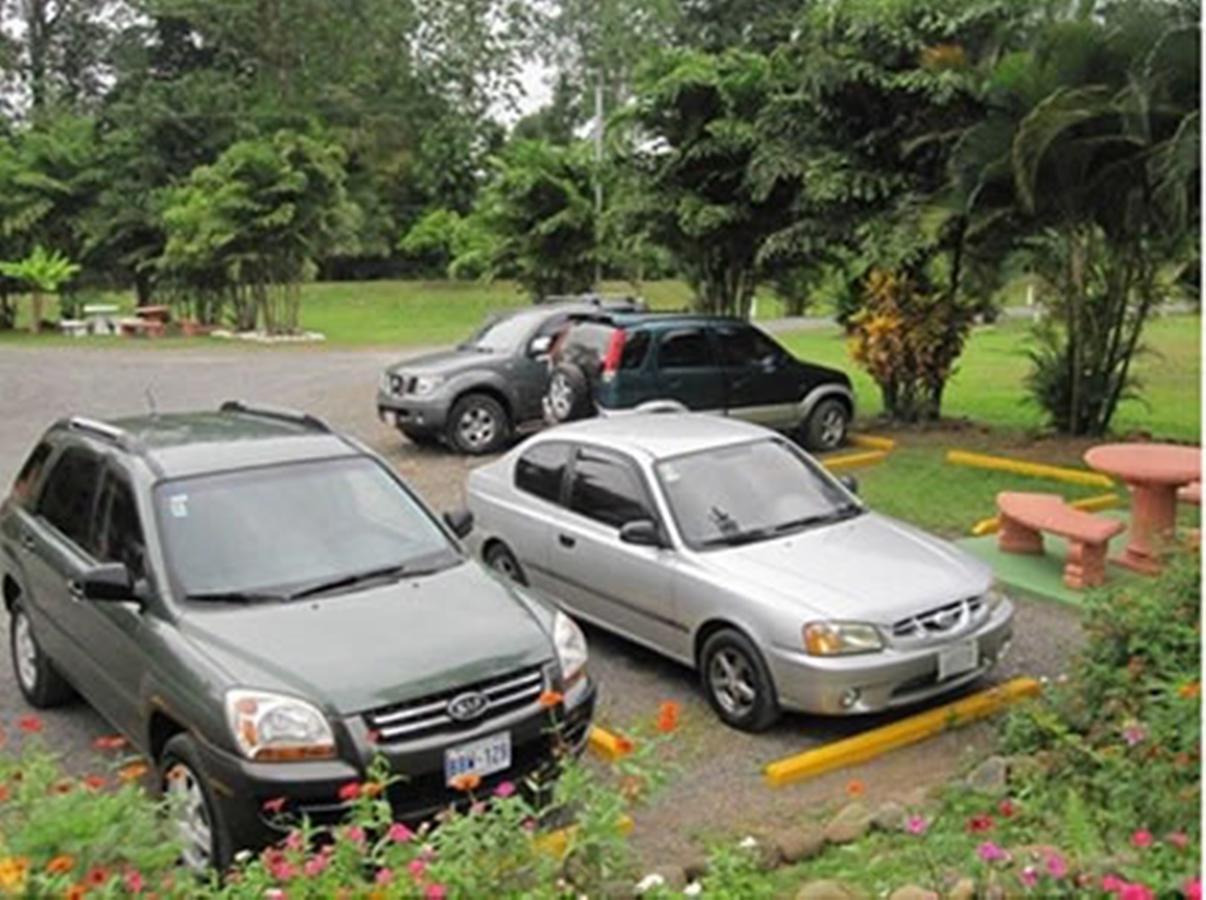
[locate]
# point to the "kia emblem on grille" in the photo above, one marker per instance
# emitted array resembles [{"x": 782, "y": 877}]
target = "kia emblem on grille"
[{"x": 469, "y": 705}]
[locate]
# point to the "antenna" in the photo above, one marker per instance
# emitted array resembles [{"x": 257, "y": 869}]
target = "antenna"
[{"x": 151, "y": 402}]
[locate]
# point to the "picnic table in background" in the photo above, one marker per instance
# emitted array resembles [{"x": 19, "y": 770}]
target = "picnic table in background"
[
  {"x": 101, "y": 318},
  {"x": 1154, "y": 473}
]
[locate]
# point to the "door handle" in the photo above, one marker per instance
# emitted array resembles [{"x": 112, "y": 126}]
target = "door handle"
[
  {"x": 566, "y": 541},
  {"x": 75, "y": 589},
  {"x": 28, "y": 542}
]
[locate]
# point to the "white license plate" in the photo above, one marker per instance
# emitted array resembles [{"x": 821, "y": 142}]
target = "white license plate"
[
  {"x": 957, "y": 659},
  {"x": 391, "y": 418},
  {"x": 481, "y": 757}
]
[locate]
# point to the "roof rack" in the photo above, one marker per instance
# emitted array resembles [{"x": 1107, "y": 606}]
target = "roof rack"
[
  {"x": 280, "y": 413},
  {"x": 104, "y": 431}
]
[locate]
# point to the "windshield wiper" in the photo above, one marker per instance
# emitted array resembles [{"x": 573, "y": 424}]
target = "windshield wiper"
[
  {"x": 395, "y": 571},
  {"x": 234, "y": 597},
  {"x": 846, "y": 511},
  {"x": 737, "y": 538}
]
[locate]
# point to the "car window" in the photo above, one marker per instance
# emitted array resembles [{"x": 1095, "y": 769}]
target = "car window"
[
  {"x": 742, "y": 346},
  {"x": 541, "y": 470},
  {"x": 504, "y": 334},
  {"x": 66, "y": 501},
  {"x": 27, "y": 478},
  {"x": 687, "y": 348},
  {"x": 607, "y": 490},
  {"x": 121, "y": 537},
  {"x": 636, "y": 347},
  {"x": 591, "y": 336}
]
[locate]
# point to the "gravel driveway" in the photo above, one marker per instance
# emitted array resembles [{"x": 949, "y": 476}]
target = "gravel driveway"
[{"x": 716, "y": 785}]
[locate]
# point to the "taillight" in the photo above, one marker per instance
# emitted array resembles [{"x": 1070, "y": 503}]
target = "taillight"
[{"x": 615, "y": 350}]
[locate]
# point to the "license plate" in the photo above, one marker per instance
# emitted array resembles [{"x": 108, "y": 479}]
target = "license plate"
[
  {"x": 957, "y": 659},
  {"x": 481, "y": 757},
  {"x": 391, "y": 418}
]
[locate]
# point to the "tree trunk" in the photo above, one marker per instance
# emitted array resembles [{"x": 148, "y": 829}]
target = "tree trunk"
[{"x": 35, "y": 324}]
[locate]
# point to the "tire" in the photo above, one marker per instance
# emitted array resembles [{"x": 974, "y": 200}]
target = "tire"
[
  {"x": 727, "y": 655},
  {"x": 478, "y": 424},
  {"x": 826, "y": 426},
  {"x": 191, "y": 800},
  {"x": 40, "y": 683},
  {"x": 567, "y": 398},
  {"x": 499, "y": 557}
]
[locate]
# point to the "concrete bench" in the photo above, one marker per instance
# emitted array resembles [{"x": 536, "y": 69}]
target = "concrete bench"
[
  {"x": 73, "y": 327},
  {"x": 1191, "y": 494},
  {"x": 1024, "y": 518}
]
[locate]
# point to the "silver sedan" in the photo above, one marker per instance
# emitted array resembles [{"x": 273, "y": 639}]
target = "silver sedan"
[{"x": 724, "y": 546}]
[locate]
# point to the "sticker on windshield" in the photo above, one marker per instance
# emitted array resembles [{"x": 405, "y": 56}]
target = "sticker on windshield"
[
  {"x": 178, "y": 504},
  {"x": 670, "y": 474}
]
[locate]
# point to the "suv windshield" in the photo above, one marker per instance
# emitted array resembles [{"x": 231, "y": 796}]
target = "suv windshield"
[
  {"x": 503, "y": 335},
  {"x": 298, "y": 529},
  {"x": 750, "y": 492}
]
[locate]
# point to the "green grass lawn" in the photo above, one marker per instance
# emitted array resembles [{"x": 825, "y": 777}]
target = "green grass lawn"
[{"x": 988, "y": 383}]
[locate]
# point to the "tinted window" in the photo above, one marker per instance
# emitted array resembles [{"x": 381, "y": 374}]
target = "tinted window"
[
  {"x": 503, "y": 335},
  {"x": 66, "y": 502},
  {"x": 541, "y": 470},
  {"x": 741, "y": 346},
  {"x": 607, "y": 490},
  {"x": 121, "y": 533},
  {"x": 636, "y": 346},
  {"x": 27, "y": 478},
  {"x": 686, "y": 349},
  {"x": 592, "y": 337}
]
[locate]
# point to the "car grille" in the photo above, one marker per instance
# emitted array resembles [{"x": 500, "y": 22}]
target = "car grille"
[
  {"x": 941, "y": 620},
  {"x": 429, "y": 715}
]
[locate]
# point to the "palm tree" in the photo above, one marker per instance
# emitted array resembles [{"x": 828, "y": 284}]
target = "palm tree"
[{"x": 45, "y": 272}]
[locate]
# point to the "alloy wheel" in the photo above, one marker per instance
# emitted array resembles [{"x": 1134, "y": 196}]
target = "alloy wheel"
[
  {"x": 191, "y": 816},
  {"x": 732, "y": 680},
  {"x": 561, "y": 397},
  {"x": 477, "y": 427},
  {"x": 833, "y": 427},
  {"x": 25, "y": 652}
]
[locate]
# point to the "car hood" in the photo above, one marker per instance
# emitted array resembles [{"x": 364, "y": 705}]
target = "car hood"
[
  {"x": 443, "y": 362},
  {"x": 358, "y": 651},
  {"x": 869, "y": 568}
]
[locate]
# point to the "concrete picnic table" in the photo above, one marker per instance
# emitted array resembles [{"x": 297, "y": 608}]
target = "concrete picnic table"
[{"x": 1153, "y": 472}]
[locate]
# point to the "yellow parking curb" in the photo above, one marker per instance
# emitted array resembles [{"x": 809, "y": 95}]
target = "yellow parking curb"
[
  {"x": 874, "y": 441},
  {"x": 992, "y": 524},
  {"x": 854, "y": 460},
  {"x": 1036, "y": 470},
  {"x": 608, "y": 745},
  {"x": 556, "y": 843},
  {"x": 871, "y": 744}
]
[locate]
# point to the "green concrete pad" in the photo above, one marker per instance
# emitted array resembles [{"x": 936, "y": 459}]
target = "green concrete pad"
[{"x": 1043, "y": 576}]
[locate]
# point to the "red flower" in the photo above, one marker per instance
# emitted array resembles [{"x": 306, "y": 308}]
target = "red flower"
[
  {"x": 273, "y": 806},
  {"x": 1007, "y": 808},
  {"x": 667, "y": 716},
  {"x": 94, "y": 782},
  {"x": 97, "y": 876},
  {"x": 109, "y": 742},
  {"x": 30, "y": 724},
  {"x": 350, "y": 791},
  {"x": 1142, "y": 839},
  {"x": 980, "y": 823},
  {"x": 549, "y": 699},
  {"x": 3, "y": 793}
]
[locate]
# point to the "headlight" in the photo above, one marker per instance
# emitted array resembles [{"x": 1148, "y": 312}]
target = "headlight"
[
  {"x": 571, "y": 646},
  {"x": 993, "y": 597},
  {"x": 385, "y": 384},
  {"x": 426, "y": 384},
  {"x": 272, "y": 727},
  {"x": 841, "y": 638}
]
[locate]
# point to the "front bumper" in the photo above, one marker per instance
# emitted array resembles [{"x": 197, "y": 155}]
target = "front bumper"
[
  {"x": 426, "y": 415},
  {"x": 891, "y": 678},
  {"x": 311, "y": 789}
]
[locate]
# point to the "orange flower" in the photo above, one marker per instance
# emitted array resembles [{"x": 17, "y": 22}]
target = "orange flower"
[
  {"x": 1191, "y": 690},
  {"x": 667, "y": 716},
  {"x": 466, "y": 781},
  {"x": 97, "y": 876},
  {"x": 624, "y": 745},
  {"x": 75, "y": 892},
  {"x": 549, "y": 699},
  {"x": 372, "y": 789},
  {"x": 94, "y": 782},
  {"x": 3, "y": 792},
  {"x": 855, "y": 788},
  {"x": 60, "y": 865},
  {"x": 109, "y": 742},
  {"x": 132, "y": 772}
]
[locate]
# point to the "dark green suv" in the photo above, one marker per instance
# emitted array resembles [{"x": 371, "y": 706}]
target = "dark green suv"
[{"x": 261, "y": 606}]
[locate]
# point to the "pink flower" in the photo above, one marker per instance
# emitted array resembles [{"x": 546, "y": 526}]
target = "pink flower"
[
  {"x": 354, "y": 834},
  {"x": 505, "y": 789},
  {"x": 1112, "y": 884},
  {"x": 417, "y": 869},
  {"x": 1178, "y": 839},
  {"x": 281, "y": 870},
  {"x": 1029, "y": 876},
  {"x": 274, "y": 806},
  {"x": 350, "y": 791},
  {"x": 1057, "y": 866},
  {"x": 384, "y": 876},
  {"x": 315, "y": 865},
  {"x": 293, "y": 840},
  {"x": 990, "y": 852},
  {"x": 435, "y": 892},
  {"x": 1192, "y": 889},
  {"x": 1142, "y": 838},
  {"x": 1134, "y": 734},
  {"x": 1136, "y": 891},
  {"x": 916, "y": 825},
  {"x": 133, "y": 881},
  {"x": 399, "y": 833}
]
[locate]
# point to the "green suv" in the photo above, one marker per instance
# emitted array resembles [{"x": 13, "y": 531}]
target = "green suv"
[{"x": 262, "y": 606}]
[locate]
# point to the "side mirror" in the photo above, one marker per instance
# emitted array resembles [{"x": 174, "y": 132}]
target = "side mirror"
[
  {"x": 460, "y": 521},
  {"x": 849, "y": 482},
  {"x": 642, "y": 533},
  {"x": 108, "y": 581},
  {"x": 540, "y": 345}
]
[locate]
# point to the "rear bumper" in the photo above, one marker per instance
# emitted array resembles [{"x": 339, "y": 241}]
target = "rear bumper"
[
  {"x": 426, "y": 415},
  {"x": 885, "y": 680},
  {"x": 312, "y": 788}
]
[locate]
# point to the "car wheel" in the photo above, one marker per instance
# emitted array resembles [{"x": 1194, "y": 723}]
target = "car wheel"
[
  {"x": 500, "y": 558},
  {"x": 737, "y": 682},
  {"x": 41, "y": 684},
  {"x": 568, "y": 396},
  {"x": 826, "y": 425},
  {"x": 203, "y": 835},
  {"x": 478, "y": 424}
]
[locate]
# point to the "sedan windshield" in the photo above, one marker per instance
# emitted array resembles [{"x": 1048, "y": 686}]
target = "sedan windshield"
[
  {"x": 750, "y": 492},
  {"x": 295, "y": 530}
]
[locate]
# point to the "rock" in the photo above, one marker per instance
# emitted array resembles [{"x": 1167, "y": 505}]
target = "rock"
[
  {"x": 912, "y": 892},
  {"x": 889, "y": 816},
  {"x": 801, "y": 843},
  {"x": 848, "y": 825},
  {"x": 696, "y": 869},
  {"x": 964, "y": 889},
  {"x": 989, "y": 777},
  {"x": 825, "y": 889}
]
